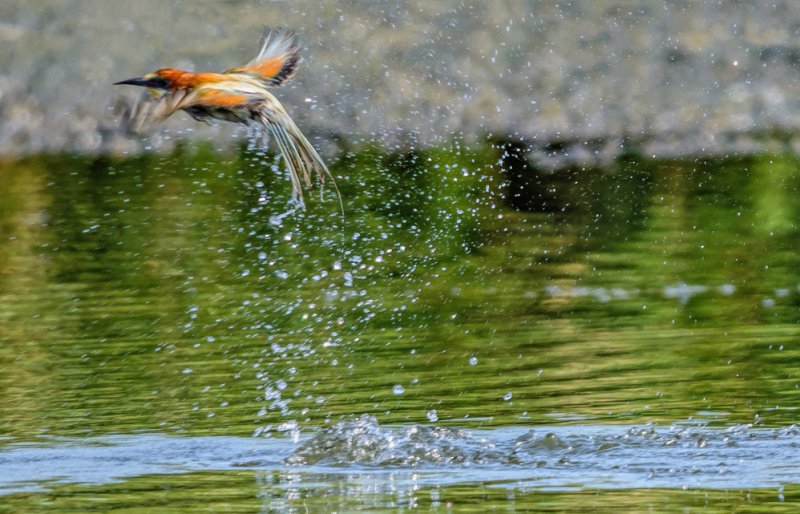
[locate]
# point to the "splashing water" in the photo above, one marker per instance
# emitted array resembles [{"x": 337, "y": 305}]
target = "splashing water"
[{"x": 582, "y": 457}]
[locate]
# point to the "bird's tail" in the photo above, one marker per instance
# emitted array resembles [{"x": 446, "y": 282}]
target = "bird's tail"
[{"x": 301, "y": 158}]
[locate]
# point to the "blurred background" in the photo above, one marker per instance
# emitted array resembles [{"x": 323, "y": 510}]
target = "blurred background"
[{"x": 580, "y": 78}]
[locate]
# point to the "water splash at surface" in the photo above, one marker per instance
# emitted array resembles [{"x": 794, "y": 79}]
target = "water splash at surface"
[{"x": 577, "y": 457}]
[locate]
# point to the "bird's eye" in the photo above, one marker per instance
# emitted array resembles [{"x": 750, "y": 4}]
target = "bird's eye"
[{"x": 158, "y": 82}]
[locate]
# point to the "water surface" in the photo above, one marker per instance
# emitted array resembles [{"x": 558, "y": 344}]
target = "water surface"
[{"x": 178, "y": 299}]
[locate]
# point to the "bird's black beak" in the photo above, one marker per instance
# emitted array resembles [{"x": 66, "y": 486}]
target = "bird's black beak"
[{"x": 154, "y": 82}]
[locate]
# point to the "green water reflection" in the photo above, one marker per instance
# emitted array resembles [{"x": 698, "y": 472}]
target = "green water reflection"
[
  {"x": 249, "y": 491},
  {"x": 161, "y": 293}
]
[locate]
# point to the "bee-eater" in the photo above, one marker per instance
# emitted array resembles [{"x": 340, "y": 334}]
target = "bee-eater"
[{"x": 242, "y": 95}]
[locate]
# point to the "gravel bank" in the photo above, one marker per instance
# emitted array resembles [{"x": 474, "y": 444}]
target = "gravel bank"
[{"x": 576, "y": 80}]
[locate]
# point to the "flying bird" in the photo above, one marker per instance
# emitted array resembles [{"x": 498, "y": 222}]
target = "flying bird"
[{"x": 242, "y": 95}]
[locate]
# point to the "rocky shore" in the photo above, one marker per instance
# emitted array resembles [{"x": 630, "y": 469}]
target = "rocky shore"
[{"x": 576, "y": 81}]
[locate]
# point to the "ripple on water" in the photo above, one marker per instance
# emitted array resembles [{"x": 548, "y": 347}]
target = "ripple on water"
[{"x": 561, "y": 457}]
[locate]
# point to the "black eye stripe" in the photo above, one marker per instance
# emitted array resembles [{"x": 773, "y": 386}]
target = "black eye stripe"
[{"x": 159, "y": 82}]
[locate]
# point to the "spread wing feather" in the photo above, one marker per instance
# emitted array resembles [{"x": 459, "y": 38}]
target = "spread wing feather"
[{"x": 277, "y": 59}]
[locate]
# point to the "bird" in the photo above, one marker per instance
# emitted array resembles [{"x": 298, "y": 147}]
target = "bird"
[{"x": 242, "y": 95}]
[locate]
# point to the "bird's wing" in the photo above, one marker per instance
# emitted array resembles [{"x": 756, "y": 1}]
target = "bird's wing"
[
  {"x": 170, "y": 102},
  {"x": 277, "y": 60},
  {"x": 144, "y": 111}
]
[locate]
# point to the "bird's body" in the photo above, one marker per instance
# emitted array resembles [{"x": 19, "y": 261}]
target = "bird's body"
[{"x": 241, "y": 95}]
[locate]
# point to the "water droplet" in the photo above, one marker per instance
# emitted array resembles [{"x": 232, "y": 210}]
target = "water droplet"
[
  {"x": 398, "y": 389},
  {"x": 432, "y": 416},
  {"x": 473, "y": 361},
  {"x": 507, "y": 396}
]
